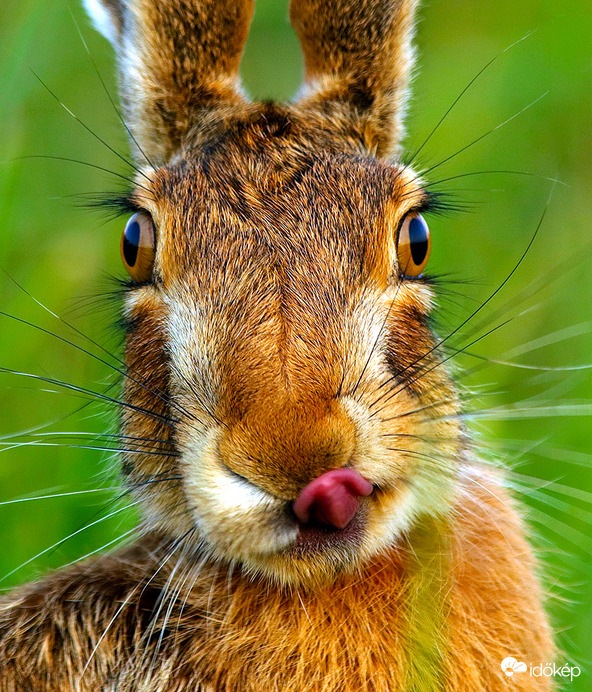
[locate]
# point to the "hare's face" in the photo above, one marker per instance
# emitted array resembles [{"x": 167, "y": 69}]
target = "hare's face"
[
  {"x": 280, "y": 326},
  {"x": 279, "y": 353}
]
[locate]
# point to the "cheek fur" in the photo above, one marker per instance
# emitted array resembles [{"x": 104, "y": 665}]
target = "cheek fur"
[{"x": 235, "y": 518}]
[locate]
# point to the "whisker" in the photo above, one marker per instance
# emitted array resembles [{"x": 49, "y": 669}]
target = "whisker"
[
  {"x": 470, "y": 174},
  {"x": 123, "y": 373},
  {"x": 485, "y": 134},
  {"x": 565, "y": 456},
  {"x": 172, "y": 550},
  {"x": 415, "y": 411},
  {"x": 110, "y": 623},
  {"x": 76, "y": 434},
  {"x": 504, "y": 413},
  {"x": 579, "y": 540},
  {"x": 525, "y": 366},
  {"x": 87, "y": 128},
  {"x": 542, "y": 493},
  {"x": 419, "y": 455},
  {"x": 475, "y": 312},
  {"x": 97, "y": 448},
  {"x": 462, "y": 93},
  {"x": 153, "y": 481},
  {"x": 547, "y": 340},
  {"x": 111, "y": 100},
  {"x": 423, "y": 372},
  {"x": 114, "y": 541},
  {"x": 200, "y": 401},
  {"x": 95, "y": 395},
  {"x": 47, "y": 497},
  {"x": 534, "y": 287},
  {"x": 580, "y": 409},
  {"x": 68, "y": 537},
  {"x": 51, "y": 157},
  {"x": 377, "y": 340},
  {"x": 552, "y": 338},
  {"x": 171, "y": 604}
]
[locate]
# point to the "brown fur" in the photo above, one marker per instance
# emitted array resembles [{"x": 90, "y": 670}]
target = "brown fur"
[{"x": 277, "y": 340}]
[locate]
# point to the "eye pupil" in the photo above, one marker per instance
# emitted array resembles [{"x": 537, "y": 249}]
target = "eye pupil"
[
  {"x": 131, "y": 242},
  {"x": 418, "y": 239}
]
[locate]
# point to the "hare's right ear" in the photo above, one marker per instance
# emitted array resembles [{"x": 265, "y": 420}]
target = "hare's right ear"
[
  {"x": 178, "y": 66},
  {"x": 358, "y": 58}
]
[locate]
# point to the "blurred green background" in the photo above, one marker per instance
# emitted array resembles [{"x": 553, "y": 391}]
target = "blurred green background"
[{"x": 65, "y": 256}]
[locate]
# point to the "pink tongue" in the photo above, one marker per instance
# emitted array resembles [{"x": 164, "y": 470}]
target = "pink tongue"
[{"x": 332, "y": 499}]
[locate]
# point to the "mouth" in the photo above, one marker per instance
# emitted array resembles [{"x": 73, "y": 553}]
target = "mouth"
[{"x": 314, "y": 538}]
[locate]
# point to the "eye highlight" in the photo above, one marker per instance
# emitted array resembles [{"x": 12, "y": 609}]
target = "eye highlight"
[
  {"x": 413, "y": 245},
  {"x": 138, "y": 246}
]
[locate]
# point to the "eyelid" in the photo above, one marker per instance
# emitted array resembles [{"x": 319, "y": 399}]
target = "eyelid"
[{"x": 421, "y": 208}]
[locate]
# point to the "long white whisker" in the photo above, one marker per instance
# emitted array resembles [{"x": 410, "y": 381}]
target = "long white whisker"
[
  {"x": 63, "y": 540},
  {"x": 47, "y": 497}
]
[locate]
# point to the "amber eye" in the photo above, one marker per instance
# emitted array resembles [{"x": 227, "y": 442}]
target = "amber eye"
[
  {"x": 138, "y": 246},
  {"x": 413, "y": 245}
]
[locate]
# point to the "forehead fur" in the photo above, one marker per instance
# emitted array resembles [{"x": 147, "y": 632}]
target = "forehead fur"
[{"x": 263, "y": 193}]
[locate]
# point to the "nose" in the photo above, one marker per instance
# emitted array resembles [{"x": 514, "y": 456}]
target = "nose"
[{"x": 332, "y": 499}]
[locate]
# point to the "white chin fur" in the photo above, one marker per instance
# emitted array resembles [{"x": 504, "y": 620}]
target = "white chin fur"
[
  {"x": 101, "y": 19},
  {"x": 237, "y": 519}
]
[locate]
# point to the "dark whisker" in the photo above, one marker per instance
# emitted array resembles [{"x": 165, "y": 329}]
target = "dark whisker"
[
  {"x": 377, "y": 340},
  {"x": 415, "y": 411},
  {"x": 200, "y": 401},
  {"x": 423, "y": 372},
  {"x": 123, "y": 373},
  {"x": 51, "y": 157},
  {"x": 153, "y": 481},
  {"x": 460, "y": 96},
  {"x": 87, "y": 128},
  {"x": 111, "y": 100},
  {"x": 95, "y": 395},
  {"x": 484, "y": 135}
]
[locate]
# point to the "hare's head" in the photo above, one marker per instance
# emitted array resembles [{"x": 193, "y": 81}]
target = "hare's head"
[{"x": 286, "y": 405}]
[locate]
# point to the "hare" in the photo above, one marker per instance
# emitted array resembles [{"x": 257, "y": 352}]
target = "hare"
[{"x": 314, "y": 517}]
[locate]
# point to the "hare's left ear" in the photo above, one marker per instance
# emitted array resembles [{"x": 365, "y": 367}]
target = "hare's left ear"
[
  {"x": 358, "y": 59},
  {"x": 178, "y": 67}
]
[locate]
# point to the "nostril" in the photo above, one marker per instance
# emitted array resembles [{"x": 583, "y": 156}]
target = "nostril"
[{"x": 332, "y": 499}]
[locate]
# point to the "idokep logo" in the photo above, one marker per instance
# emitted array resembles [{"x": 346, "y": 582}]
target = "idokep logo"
[{"x": 511, "y": 667}]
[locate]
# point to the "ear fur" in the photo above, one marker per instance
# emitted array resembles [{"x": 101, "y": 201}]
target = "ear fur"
[
  {"x": 179, "y": 61},
  {"x": 107, "y": 17},
  {"x": 178, "y": 66},
  {"x": 358, "y": 59}
]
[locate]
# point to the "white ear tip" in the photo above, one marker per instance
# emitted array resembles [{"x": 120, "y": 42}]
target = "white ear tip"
[{"x": 102, "y": 19}]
